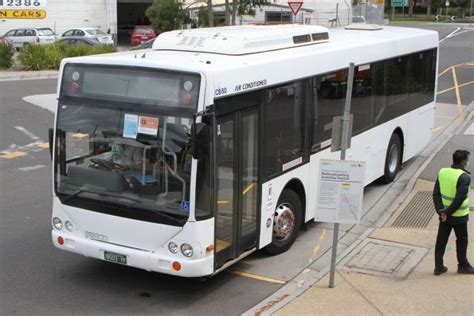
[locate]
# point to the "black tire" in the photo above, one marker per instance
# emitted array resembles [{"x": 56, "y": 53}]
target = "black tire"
[
  {"x": 289, "y": 201},
  {"x": 393, "y": 159}
]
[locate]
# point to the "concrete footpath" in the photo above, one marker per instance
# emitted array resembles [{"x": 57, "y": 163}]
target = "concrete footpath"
[
  {"x": 371, "y": 288},
  {"x": 388, "y": 268}
]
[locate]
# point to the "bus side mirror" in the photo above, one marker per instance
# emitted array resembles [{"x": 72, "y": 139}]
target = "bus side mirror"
[
  {"x": 50, "y": 138},
  {"x": 200, "y": 140}
]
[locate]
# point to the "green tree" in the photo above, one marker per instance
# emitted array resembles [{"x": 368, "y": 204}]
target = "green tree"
[{"x": 166, "y": 15}]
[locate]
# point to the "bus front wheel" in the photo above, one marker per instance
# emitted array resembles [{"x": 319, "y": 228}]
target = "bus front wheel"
[
  {"x": 286, "y": 223},
  {"x": 393, "y": 158}
]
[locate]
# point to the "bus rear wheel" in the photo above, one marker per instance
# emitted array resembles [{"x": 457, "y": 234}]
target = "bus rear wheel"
[
  {"x": 393, "y": 159},
  {"x": 286, "y": 223}
]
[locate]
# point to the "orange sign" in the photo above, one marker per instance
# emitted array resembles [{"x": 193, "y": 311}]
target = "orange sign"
[
  {"x": 148, "y": 125},
  {"x": 22, "y": 14}
]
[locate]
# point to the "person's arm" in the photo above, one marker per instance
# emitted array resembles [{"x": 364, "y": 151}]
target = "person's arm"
[
  {"x": 462, "y": 190},
  {"x": 438, "y": 203}
]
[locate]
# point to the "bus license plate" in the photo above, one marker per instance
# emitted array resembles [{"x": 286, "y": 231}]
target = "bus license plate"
[{"x": 115, "y": 257}]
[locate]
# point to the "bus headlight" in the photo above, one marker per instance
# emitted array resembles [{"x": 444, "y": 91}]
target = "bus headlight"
[
  {"x": 173, "y": 247},
  {"x": 69, "y": 226},
  {"x": 57, "y": 223},
  {"x": 187, "y": 250}
]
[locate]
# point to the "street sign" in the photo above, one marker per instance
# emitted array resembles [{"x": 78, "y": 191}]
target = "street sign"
[
  {"x": 295, "y": 6},
  {"x": 22, "y": 14},
  {"x": 23, "y": 4},
  {"x": 398, "y": 3}
]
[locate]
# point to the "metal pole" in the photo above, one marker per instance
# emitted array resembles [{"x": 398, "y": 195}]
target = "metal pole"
[
  {"x": 470, "y": 13},
  {"x": 344, "y": 144}
]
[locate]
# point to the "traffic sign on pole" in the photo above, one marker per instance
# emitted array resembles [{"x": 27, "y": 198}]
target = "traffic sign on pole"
[
  {"x": 399, "y": 3},
  {"x": 295, "y": 6}
]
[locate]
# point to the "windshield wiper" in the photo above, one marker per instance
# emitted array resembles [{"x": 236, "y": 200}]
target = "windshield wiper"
[
  {"x": 72, "y": 195},
  {"x": 170, "y": 217}
]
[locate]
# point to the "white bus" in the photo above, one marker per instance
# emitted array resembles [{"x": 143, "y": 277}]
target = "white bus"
[{"x": 188, "y": 157}]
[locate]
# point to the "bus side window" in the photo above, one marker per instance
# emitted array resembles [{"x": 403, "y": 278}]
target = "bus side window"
[
  {"x": 284, "y": 126},
  {"x": 362, "y": 100},
  {"x": 328, "y": 102}
]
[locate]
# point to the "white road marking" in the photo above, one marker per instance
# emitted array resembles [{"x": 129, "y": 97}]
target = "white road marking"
[
  {"x": 470, "y": 130},
  {"x": 45, "y": 101},
  {"x": 31, "y": 168},
  {"x": 10, "y": 149},
  {"x": 450, "y": 34},
  {"x": 27, "y": 132}
]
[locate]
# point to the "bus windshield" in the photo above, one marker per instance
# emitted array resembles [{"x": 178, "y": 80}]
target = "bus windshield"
[{"x": 124, "y": 158}]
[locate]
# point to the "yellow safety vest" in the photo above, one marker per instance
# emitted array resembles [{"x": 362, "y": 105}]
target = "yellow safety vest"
[{"x": 448, "y": 179}]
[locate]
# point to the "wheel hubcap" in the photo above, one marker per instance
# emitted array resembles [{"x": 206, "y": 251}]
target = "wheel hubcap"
[
  {"x": 284, "y": 222},
  {"x": 393, "y": 158}
]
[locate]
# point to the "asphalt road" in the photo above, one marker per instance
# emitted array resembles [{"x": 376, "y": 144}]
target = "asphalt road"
[{"x": 36, "y": 278}]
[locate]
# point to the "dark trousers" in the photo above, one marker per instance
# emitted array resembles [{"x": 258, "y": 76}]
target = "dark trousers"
[{"x": 444, "y": 230}]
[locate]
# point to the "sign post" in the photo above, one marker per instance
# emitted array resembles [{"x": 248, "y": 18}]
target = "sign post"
[
  {"x": 398, "y": 3},
  {"x": 344, "y": 144}
]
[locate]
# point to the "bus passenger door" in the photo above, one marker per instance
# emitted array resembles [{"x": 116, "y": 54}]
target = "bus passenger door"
[{"x": 237, "y": 184}]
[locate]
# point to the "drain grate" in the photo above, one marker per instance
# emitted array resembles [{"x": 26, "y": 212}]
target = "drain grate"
[{"x": 418, "y": 212}]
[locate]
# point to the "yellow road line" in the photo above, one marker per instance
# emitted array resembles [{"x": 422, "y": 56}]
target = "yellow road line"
[
  {"x": 14, "y": 154},
  {"x": 43, "y": 145},
  {"x": 256, "y": 277},
  {"x": 445, "y": 116},
  {"x": 223, "y": 202},
  {"x": 314, "y": 253},
  {"x": 456, "y": 86},
  {"x": 249, "y": 187},
  {"x": 436, "y": 129},
  {"x": 452, "y": 88},
  {"x": 453, "y": 66},
  {"x": 323, "y": 233}
]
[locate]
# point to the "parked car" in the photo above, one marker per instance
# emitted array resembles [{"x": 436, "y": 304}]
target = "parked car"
[
  {"x": 78, "y": 40},
  {"x": 27, "y": 36},
  {"x": 90, "y": 32},
  {"x": 142, "y": 33}
]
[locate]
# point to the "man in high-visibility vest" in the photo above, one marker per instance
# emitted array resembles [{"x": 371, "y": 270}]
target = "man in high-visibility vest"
[{"x": 450, "y": 196}]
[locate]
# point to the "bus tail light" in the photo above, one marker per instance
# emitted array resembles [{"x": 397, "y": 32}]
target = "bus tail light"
[
  {"x": 60, "y": 240},
  {"x": 176, "y": 266}
]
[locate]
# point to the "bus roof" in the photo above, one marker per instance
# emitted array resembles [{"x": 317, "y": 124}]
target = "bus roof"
[{"x": 226, "y": 71}]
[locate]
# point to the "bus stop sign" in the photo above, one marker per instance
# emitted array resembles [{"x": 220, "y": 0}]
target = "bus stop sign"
[{"x": 295, "y": 6}]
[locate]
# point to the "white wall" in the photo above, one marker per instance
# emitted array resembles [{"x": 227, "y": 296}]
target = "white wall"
[{"x": 65, "y": 14}]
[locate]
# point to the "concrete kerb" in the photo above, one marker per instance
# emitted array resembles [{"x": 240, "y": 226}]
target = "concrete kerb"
[
  {"x": 402, "y": 187},
  {"x": 28, "y": 75}
]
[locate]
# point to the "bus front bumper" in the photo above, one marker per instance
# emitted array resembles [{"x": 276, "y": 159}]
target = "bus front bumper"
[{"x": 142, "y": 259}]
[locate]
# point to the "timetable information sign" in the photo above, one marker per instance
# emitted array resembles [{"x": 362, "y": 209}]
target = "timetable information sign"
[{"x": 340, "y": 191}]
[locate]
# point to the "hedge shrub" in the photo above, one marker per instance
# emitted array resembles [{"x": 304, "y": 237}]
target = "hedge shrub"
[
  {"x": 6, "y": 56},
  {"x": 38, "y": 57}
]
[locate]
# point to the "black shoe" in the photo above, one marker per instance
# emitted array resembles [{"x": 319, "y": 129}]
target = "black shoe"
[
  {"x": 465, "y": 270},
  {"x": 443, "y": 269}
]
